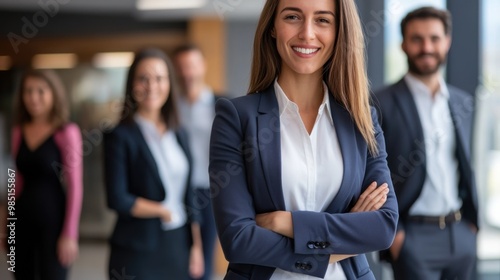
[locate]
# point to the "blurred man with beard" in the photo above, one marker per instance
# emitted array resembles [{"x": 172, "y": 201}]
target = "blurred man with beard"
[{"x": 427, "y": 126}]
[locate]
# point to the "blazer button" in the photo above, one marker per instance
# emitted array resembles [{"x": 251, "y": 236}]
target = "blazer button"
[
  {"x": 303, "y": 266},
  {"x": 311, "y": 245}
]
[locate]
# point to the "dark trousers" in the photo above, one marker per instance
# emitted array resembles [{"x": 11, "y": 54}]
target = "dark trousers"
[
  {"x": 37, "y": 234},
  {"x": 169, "y": 261},
  {"x": 431, "y": 253},
  {"x": 36, "y": 256},
  {"x": 208, "y": 231}
]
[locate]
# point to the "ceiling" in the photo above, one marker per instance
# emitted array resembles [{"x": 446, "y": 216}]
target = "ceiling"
[{"x": 224, "y": 9}]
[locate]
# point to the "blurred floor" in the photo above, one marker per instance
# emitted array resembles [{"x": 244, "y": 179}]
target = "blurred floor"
[{"x": 91, "y": 264}]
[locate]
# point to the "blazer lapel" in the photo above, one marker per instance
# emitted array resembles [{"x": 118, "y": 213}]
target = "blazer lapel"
[
  {"x": 346, "y": 133},
  {"x": 269, "y": 145},
  {"x": 408, "y": 110},
  {"x": 144, "y": 149}
]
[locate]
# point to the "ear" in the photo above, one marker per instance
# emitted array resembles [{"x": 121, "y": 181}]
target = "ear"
[
  {"x": 273, "y": 32},
  {"x": 448, "y": 41}
]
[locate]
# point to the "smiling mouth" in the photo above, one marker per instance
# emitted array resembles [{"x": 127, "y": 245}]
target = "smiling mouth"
[{"x": 305, "y": 50}]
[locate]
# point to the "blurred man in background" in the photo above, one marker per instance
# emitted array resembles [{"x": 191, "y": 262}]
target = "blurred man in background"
[
  {"x": 427, "y": 126},
  {"x": 197, "y": 111}
]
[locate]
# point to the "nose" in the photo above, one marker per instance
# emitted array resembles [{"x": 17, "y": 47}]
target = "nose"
[
  {"x": 149, "y": 83},
  {"x": 307, "y": 31},
  {"x": 427, "y": 46},
  {"x": 31, "y": 95}
]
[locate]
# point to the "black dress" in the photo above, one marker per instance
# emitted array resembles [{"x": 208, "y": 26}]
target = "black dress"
[{"x": 40, "y": 212}]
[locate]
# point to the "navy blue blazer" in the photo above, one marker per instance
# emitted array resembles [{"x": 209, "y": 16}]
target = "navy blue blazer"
[
  {"x": 131, "y": 172},
  {"x": 405, "y": 143},
  {"x": 245, "y": 174}
]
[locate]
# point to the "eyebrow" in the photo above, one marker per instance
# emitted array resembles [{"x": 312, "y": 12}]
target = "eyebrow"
[{"x": 300, "y": 11}]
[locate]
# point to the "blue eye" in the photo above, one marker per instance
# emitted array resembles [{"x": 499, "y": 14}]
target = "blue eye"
[{"x": 293, "y": 17}]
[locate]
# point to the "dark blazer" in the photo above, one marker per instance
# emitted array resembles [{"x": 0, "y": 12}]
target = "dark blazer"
[
  {"x": 405, "y": 144},
  {"x": 131, "y": 172},
  {"x": 245, "y": 174}
]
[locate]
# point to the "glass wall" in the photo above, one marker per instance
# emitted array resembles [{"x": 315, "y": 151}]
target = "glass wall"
[{"x": 487, "y": 141}]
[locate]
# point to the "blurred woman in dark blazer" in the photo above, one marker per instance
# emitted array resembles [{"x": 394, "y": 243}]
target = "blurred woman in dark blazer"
[{"x": 148, "y": 167}]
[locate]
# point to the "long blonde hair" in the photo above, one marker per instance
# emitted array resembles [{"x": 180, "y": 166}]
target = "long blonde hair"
[{"x": 344, "y": 74}]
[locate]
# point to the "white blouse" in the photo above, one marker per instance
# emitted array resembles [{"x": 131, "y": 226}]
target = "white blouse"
[
  {"x": 311, "y": 167},
  {"x": 173, "y": 168}
]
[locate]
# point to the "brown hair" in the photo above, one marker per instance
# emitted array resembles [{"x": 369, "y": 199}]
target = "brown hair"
[
  {"x": 60, "y": 108},
  {"x": 186, "y": 48},
  {"x": 169, "y": 109},
  {"x": 344, "y": 74},
  {"x": 428, "y": 13}
]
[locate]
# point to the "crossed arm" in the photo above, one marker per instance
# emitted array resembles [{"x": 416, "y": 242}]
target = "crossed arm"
[
  {"x": 281, "y": 221},
  {"x": 264, "y": 240}
]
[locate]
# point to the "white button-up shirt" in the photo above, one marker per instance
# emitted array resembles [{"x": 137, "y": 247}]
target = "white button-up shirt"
[
  {"x": 311, "y": 166},
  {"x": 197, "y": 119},
  {"x": 173, "y": 168},
  {"x": 439, "y": 194}
]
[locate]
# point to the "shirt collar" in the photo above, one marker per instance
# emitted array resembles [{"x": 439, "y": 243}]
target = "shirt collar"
[
  {"x": 206, "y": 98},
  {"x": 284, "y": 102},
  {"x": 145, "y": 125},
  {"x": 417, "y": 87}
]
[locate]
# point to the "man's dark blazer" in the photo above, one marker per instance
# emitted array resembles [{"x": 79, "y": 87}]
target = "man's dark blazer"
[
  {"x": 404, "y": 139},
  {"x": 245, "y": 175},
  {"x": 131, "y": 172}
]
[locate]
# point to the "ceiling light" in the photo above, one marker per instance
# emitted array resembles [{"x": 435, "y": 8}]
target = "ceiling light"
[
  {"x": 169, "y": 4},
  {"x": 55, "y": 61},
  {"x": 113, "y": 59},
  {"x": 5, "y": 62}
]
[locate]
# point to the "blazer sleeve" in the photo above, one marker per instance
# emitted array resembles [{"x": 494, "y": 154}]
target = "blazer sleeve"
[
  {"x": 69, "y": 141},
  {"x": 115, "y": 166},
  {"x": 241, "y": 239},
  {"x": 352, "y": 233}
]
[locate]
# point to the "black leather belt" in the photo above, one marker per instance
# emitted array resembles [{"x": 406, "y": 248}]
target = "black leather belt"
[{"x": 438, "y": 220}]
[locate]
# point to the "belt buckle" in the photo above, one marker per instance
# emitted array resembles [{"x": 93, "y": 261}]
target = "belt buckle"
[{"x": 442, "y": 222}]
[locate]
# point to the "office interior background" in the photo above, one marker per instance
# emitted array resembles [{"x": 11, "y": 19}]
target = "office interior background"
[{"x": 90, "y": 43}]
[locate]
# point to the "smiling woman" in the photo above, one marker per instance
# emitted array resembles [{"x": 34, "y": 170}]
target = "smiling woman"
[
  {"x": 298, "y": 166},
  {"x": 148, "y": 171}
]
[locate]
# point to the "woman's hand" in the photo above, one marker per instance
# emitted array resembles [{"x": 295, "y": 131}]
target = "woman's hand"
[
  {"x": 397, "y": 245},
  {"x": 196, "y": 262},
  {"x": 165, "y": 215},
  {"x": 277, "y": 221},
  {"x": 67, "y": 250},
  {"x": 372, "y": 198}
]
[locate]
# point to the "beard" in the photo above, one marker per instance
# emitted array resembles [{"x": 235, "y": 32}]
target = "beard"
[{"x": 425, "y": 70}]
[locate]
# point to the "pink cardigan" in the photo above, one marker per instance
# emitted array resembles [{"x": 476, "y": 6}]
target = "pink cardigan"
[{"x": 69, "y": 141}]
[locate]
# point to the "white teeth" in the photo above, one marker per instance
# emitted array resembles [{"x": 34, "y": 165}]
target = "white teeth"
[{"x": 305, "y": 51}]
